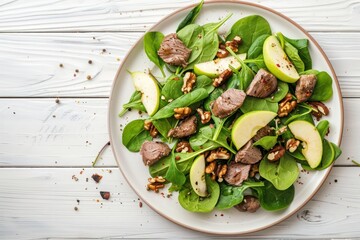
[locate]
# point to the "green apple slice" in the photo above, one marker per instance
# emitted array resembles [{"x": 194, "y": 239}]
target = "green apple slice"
[
  {"x": 312, "y": 143},
  {"x": 149, "y": 88},
  {"x": 246, "y": 126},
  {"x": 197, "y": 176},
  {"x": 213, "y": 68},
  {"x": 277, "y": 61}
]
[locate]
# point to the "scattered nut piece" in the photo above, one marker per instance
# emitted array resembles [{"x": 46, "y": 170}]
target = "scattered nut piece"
[
  {"x": 204, "y": 116},
  {"x": 319, "y": 110},
  {"x": 234, "y": 44},
  {"x": 181, "y": 113},
  {"x": 149, "y": 126},
  {"x": 156, "y": 183},
  {"x": 189, "y": 81},
  {"x": 222, "y": 172},
  {"x": 183, "y": 147},
  {"x": 222, "y": 53},
  {"x": 292, "y": 144},
  {"x": 225, "y": 75},
  {"x": 276, "y": 153},
  {"x": 219, "y": 153},
  {"x": 286, "y": 106},
  {"x": 96, "y": 177},
  {"x": 254, "y": 170},
  {"x": 211, "y": 167},
  {"x": 105, "y": 195}
]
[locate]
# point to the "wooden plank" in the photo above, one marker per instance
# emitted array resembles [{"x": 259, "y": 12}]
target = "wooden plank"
[
  {"x": 39, "y": 203},
  {"x": 139, "y": 15},
  {"x": 30, "y": 62},
  {"x": 40, "y": 132}
]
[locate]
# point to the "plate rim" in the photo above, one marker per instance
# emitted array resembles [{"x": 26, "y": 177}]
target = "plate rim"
[{"x": 337, "y": 85}]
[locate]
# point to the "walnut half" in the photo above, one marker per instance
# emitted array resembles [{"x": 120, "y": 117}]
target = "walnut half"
[
  {"x": 181, "y": 113},
  {"x": 286, "y": 106},
  {"x": 189, "y": 81}
]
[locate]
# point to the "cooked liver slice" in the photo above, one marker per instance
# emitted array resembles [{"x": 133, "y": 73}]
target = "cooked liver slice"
[
  {"x": 173, "y": 51},
  {"x": 152, "y": 152},
  {"x": 237, "y": 173},
  {"x": 263, "y": 84},
  {"x": 185, "y": 128},
  {"x": 248, "y": 154},
  {"x": 305, "y": 87},
  {"x": 230, "y": 101}
]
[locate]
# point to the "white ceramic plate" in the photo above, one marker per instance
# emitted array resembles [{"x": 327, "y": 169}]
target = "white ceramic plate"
[{"x": 131, "y": 165}]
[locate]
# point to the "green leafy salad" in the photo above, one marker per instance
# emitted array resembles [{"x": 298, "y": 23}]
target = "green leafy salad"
[{"x": 233, "y": 118}]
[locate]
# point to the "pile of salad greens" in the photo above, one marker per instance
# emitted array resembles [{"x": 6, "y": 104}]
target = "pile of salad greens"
[{"x": 273, "y": 185}]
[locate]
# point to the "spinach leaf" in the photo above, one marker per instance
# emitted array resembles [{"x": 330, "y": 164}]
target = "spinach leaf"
[
  {"x": 211, "y": 28},
  {"x": 233, "y": 81},
  {"x": 281, "y": 174},
  {"x": 310, "y": 71},
  {"x": 203, "y": 81},
  {"x": 199, "y": 139},
  {"x": 249, "y": 29},
  {"x": 323, "y": 88},
  {"x": 294, "y": 57},
  {"x": 164, "y": 125},
  {"x": 267, "y": 142},
  {"x": 302, "y": 46},
  {"x": 283, "y": 89},
  {"x": 189, "y": 200},
  {"x": 212, "y": 97},
  {"x": 337, "y": 151},
  {"x": 300, "y": 113},
  {"x": 272, "y": 199},
  {"x": 172, "y": 88},
  {"x": 193, "y": 37},
  {"x": 184, "y": 162},
  {"x": 152, "y": 42},
  {"x": 256, "y": 47},
  {"x": 191, "y": 16},
  {"x": 183, "y": 101},
  {"x": 323, "y": 128},
  {"x": 231, "y": 195},
  {"x": 257, "y": 63},
  {"x": 173, "y": 174},
  {"x": 256, "y": 104},
  {"x": 134, "y": 135},
  {"x": 246, "y": 75},
  {"x": 134, "y": 102}
]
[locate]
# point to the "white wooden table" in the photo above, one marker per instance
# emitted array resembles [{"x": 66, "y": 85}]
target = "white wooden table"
[{"x": 45, "y": 146}]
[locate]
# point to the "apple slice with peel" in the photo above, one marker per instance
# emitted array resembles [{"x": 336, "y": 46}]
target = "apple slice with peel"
[
  {"x": 246, "y": 126},
  {"x": 312, "y": 143},
  {"x": 149, "y": 88},
  {"x": 277, "y": 61},
  {"x": 197, "y": 176},
  {"x": 213, "y": 68}
]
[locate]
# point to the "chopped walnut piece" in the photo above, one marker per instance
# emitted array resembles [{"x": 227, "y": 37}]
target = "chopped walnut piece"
[
  {"x": 222, "y": 171},
  {"x": 189, "y": 81},
  {"x": 225, "y": 75},
  {"x": 292, "y": 144},
  {"x": 181, "y": 113},
  {"x": 254, "y": 169},
  {"x": 156, "y": 183},
  {"x": 183, "y": 147},
  {"x": 222, "y": 53},
  {"x": 219, "y": 153},
  {"x": 234, "y": 44},
  {"x": 149, "y": 126},
  {"x": 286, "y": 106},
  {"x": 319, "y": 110},
  {"x": 204, "y": 116},
  {"x": 276, "y": 153}
]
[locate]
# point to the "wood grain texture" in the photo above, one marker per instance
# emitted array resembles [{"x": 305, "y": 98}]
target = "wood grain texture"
[
  {"x": 30, "y": 62},
  {"x": 39, "y": 132},
  {"x": 138, "y": 15},
  {"x": 39, "y": 203}
]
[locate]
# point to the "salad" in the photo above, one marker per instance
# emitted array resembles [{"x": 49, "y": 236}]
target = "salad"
[{"x": 233, "y": 118}]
